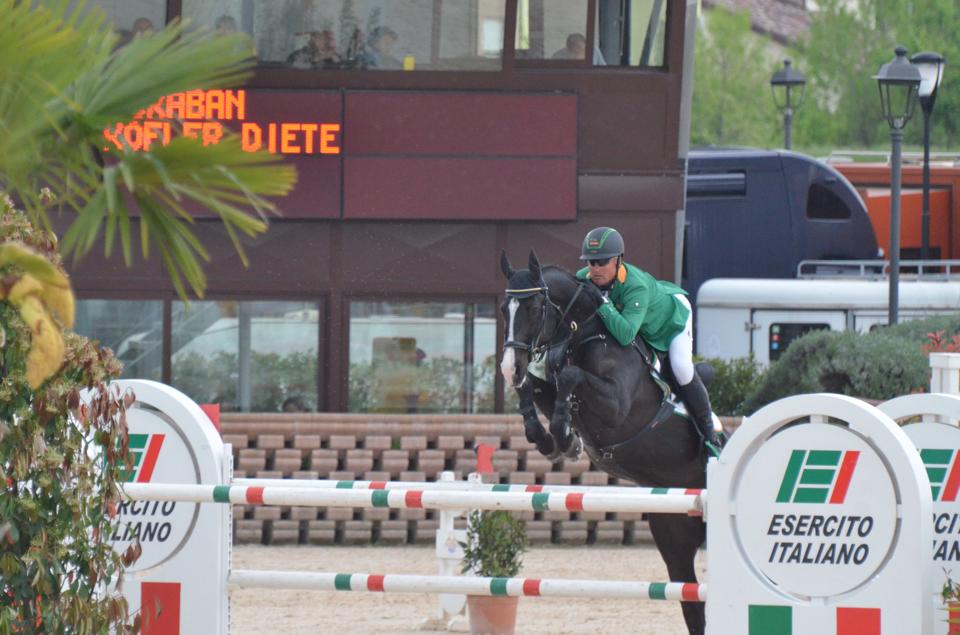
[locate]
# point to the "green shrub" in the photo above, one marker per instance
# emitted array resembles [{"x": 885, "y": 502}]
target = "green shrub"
[
  {"x": 916, "y": 330},
  {"x": 878, "y": 365},
  {"x": 432, "y": 386},
  {"x": 496, "y": 541},
  {"x": 59, "y": 487},
  {"x": 733, "y": 381},
  {"x": 213, "y": 378}
]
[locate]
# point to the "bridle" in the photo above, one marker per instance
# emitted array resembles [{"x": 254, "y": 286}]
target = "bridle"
[{"x": 538, "y": 344}]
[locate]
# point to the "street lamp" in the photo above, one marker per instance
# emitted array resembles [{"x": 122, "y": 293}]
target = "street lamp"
[
  {"x": 898, "y": 81},
  {"x": 930, "y": 66},
  {"x": 783, "y": 84}
]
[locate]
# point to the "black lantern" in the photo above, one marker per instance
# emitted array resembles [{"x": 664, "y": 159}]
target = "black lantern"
[
  {"x": 899, "y": 81},
  {"x": 930, "y": 66},
  {"x": 787, "y": 85}
]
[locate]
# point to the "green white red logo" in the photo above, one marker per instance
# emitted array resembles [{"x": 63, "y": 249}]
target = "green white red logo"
[
  {"x": 145, "y": 449},
  {"x": 818, "y": 476},
  {"x": 943, "y": 470}
]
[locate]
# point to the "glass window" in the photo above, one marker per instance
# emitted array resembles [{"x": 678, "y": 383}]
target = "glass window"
[
  {"x": 824, "y": 204},
  {"x": 782, "y": 335},
  {"x": 641, "y": 41},
  {"x": 552, "y": 30},
  {"x": 366, "y": 34},
  {"x": 248, "y": 356},
  {"x": 627, "y": 32},
  {"x": 130, "y": 17},
  {"x": 132, "y": 328},
  {"x": 422, "y": 357}
]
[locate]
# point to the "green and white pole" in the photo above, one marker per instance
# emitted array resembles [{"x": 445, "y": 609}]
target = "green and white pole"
[
  {"x": 690, "y": 503},
  {"x": 469, "y": 585}
]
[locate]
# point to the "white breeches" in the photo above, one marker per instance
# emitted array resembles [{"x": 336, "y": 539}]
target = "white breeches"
[{"x": 681, "y": 348}]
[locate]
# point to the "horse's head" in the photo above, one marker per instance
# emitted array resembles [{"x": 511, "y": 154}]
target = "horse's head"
[{"x": 524, "y": 314}]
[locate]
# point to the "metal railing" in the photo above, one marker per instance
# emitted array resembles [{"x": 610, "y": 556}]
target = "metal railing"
[
  {"x": 878, "y": 269},
  {"x": 883, "y": 156}
]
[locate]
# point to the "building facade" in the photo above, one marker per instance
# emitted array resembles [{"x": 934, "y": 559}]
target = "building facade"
[{"x": 429, "y": 135}]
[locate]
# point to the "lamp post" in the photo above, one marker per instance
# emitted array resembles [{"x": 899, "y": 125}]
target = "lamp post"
[
  {"x": 784, "y": 83},
  {"x": 898, "y": 81},
  {"x": 930, "y": 66}
]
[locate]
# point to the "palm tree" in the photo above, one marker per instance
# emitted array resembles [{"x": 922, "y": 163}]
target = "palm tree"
[{"x": 63, "y": 81}]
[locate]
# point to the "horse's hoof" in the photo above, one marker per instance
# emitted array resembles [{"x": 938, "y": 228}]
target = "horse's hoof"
[
  {"x": 576, "y": 448},
  {"x": 556, "y": 456}
]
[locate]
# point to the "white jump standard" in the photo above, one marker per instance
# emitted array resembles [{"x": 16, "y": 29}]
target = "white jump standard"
[{"x": 774, "y": 569}]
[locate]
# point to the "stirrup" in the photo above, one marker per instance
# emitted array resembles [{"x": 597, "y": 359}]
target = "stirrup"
[{"x": 712, "y": 449}]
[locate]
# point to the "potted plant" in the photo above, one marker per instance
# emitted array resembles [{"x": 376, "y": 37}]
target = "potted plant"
[
  {"x": 496, "y": 540},
  {"x": 950, "y": 594}
]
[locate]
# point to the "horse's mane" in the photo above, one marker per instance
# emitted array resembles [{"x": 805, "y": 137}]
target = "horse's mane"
[{"x": 558, "y": 269}]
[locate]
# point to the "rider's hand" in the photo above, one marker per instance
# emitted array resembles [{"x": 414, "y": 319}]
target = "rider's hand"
[{"x": 593, "y": 292}]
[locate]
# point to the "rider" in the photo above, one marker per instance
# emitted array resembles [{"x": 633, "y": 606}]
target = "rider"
[{"x": 631, "y": 301}]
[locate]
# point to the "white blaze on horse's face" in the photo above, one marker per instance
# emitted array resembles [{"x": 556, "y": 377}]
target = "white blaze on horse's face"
[{"x": 509, "y": 363}]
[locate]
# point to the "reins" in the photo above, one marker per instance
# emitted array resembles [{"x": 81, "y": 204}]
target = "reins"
[{"x": 536, "y": 348}]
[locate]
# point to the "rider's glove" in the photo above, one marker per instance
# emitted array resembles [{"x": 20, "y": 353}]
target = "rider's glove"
[{"x": 593, "y": 292}]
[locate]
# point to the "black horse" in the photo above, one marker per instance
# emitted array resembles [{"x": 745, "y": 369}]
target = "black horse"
[{"x": 603, "y": 395}]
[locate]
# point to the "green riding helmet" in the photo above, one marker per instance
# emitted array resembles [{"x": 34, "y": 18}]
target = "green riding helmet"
[{"x": 600, "y": 243}]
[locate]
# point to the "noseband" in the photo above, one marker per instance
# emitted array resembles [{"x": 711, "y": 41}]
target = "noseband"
[{"x": 536, "y": 347}]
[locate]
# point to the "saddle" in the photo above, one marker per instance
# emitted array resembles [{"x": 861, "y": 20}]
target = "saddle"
[{"x": 560, "y": 354}]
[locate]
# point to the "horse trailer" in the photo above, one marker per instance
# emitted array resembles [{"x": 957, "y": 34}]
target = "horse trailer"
[
  {"x": 758, "y": 213},
  {"x": 744, "y": 316}
]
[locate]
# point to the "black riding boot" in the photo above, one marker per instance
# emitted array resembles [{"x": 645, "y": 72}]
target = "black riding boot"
[{"x": 697, "y": 401}]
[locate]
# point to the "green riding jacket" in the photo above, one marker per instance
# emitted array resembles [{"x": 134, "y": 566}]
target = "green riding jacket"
[{"x": 641, "y": 303}]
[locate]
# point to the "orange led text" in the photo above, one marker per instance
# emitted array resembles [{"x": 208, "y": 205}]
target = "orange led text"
[{"x": 200, "y": 114}]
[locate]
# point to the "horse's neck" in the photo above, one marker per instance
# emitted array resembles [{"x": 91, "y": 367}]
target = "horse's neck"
[{"x": 563, "y": 287}]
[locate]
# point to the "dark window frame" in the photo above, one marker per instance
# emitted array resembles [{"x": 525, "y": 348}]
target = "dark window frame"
[{"x": 347, "y": 299}]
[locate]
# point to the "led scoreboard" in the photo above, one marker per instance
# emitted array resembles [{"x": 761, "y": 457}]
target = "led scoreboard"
[{"x": 202, "y": 114}]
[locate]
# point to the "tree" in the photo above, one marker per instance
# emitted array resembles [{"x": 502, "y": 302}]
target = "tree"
[
  {"x": 63, "y": 83},
  {"x": 846, "y": 44},
  {"x": 840, "y": 56},
  {"x": 60, "y": 459},
  {"x": 730, "y": 92}
]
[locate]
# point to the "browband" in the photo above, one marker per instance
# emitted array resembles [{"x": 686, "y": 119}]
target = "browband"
[{"x": 531, "y": 290}]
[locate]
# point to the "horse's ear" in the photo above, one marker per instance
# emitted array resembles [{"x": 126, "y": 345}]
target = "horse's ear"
[
  {"x": 505, "y": 265},
  {"x": 534, "y": 265}
]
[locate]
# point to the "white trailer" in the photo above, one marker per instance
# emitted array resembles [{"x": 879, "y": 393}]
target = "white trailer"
[{"x": 739, "y": 316}]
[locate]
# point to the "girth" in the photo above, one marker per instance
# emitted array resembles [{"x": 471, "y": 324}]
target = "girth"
[{"x": 612, "y": 452}]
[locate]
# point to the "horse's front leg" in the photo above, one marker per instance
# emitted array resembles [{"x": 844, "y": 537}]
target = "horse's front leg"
[
  {"x": 561, "y": 423},
  {"x": 535, "y": 432}
]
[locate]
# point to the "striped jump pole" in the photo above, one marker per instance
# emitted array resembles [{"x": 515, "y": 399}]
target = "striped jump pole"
[
  {"x": 468, "y": 585},
  {"x": 690, "y": 503},
  {"x": 456, "y": 486}
]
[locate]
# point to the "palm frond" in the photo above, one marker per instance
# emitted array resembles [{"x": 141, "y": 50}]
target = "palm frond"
[{"x": 62, "y": 84}]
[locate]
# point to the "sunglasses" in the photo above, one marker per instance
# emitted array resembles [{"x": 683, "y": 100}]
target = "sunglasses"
[{"x": 599, "y": 263}]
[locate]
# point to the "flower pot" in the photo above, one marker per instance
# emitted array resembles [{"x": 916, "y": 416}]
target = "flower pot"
[
  {"x": 492, "y": 615},
  {"x": 953, "y": 617}
]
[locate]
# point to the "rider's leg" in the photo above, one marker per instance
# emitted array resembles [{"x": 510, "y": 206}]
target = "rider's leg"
[{"x": 691, "y": 388}]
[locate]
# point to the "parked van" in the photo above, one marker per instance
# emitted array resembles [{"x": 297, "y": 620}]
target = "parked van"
[
  {"x": 737, "y": 317},
  {"x": 758, "y": 213}
]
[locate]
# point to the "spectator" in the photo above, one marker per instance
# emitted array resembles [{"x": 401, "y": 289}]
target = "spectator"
[
  {"x": 576, "y": 49},
  {"x": 124, "y": 37},
  {"x": 141, "y": 27},
  {"x": 379, "y": 51},
  {"x": 320, "y": 51},
  {"x": 294, "y": 404},
  {"x": 225, "y": 24},
  {"x": 355, "y": 49}
]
